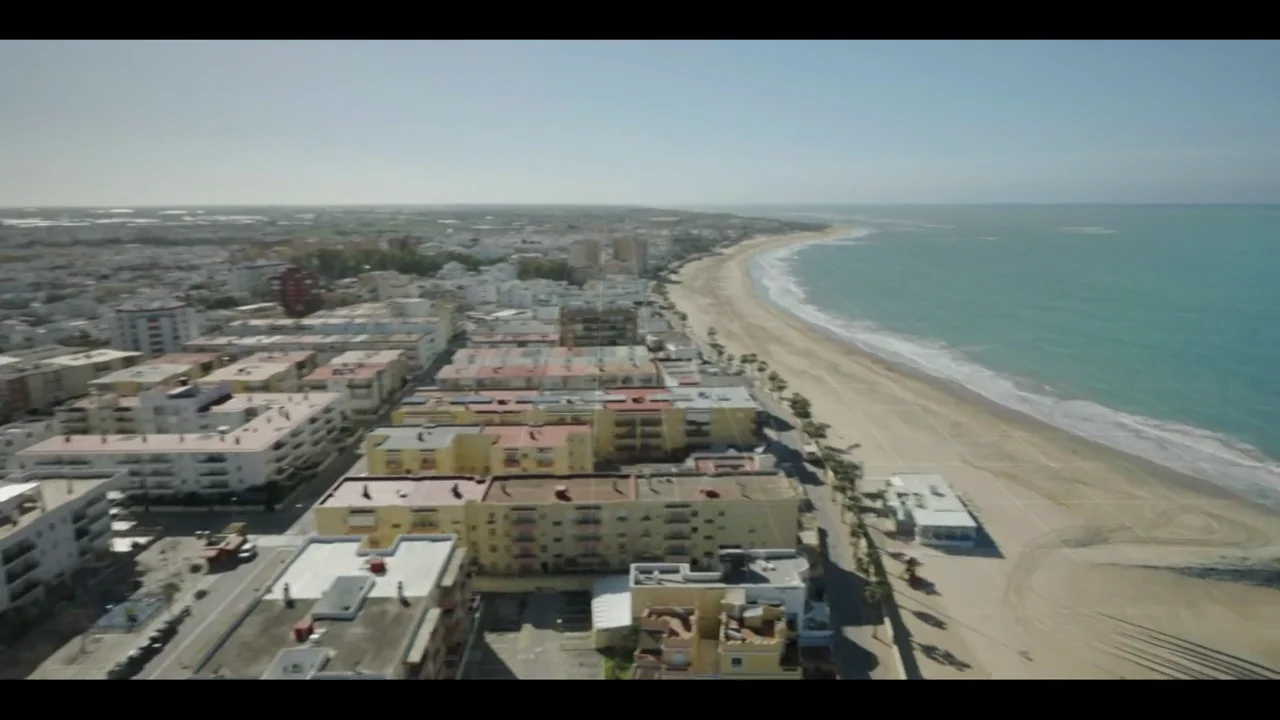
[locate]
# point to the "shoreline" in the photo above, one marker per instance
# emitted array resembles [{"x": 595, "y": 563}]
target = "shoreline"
[
  {"x": 746, "y": 252},
  {"x": 1089, "y": 541}
]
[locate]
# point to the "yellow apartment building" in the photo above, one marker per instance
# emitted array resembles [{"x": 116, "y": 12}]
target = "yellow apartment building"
[
  {"x": 163, "y": 371},
  {"x": 630, "y": 424},
  {"x": 266, "y": 372},
  {"x": 481, "y": 450},
  {"x": 592, "y": 523}
]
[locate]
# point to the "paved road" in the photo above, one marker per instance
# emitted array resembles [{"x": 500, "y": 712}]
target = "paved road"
[
  {"x": 228, "y": 593},
  {"x": 861, "y": 652}
]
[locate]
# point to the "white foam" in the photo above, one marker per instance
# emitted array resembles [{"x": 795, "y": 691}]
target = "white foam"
[{"x": 1210, "y": 456}]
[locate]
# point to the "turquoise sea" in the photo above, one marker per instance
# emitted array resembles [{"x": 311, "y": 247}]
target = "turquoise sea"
[{"x": 1154, "y": 329}]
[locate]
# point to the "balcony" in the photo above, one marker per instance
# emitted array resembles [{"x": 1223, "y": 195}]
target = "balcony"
[
  {"x": 524, "y": 519},
  {"x": 20, "y": 590},
  {"x": 18, "y": 551},
  {"x": 591, "y": 537},
  {"x": 678, "y": 535},
  {"x": 587, "y": 520},
  {"x": 677, "y": 519},
  {"x": 524, "y": 537},
  {"x": 15, "y": 573}
]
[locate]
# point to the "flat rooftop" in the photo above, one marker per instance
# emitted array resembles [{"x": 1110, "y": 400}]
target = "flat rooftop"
[
  {"x": 266, "y": 342},
  {"x": 368, "y": 357},
  {"x": 187, "y": 359},
  {"x": 619, "y": 399},
  {"x": 421, "y": 438},
  {"x": 396, "y": 490},
  {"x": 932, "y": 501},
  {"x": 330, "y": 577},
  {"x": 247, "y": 371},
  {"x": 361, "y": 371},
  {"x": 27, "y": 497},
  {"x": 91, "y": 357},
  {"x": 281, "y": 413},
  {"x": 605, "y": 488},
  {"x": 780, "y": 567},
  {"x": 291, "y": 357},
  {"x": 146, "y": 374}
]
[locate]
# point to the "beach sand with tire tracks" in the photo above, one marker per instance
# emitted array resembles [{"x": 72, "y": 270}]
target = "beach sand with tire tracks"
[{"x": 1108, "y": 566}]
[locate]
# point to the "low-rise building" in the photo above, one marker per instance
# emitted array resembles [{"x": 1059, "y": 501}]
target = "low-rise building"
[
  {"x": 37, "y": 380},
  {"x": 368, "y": 380},
  {"x": 592, "y": 523},
  {"x": 342, "y": 610},
  {"x": 266, "y": 372},
  {"x": 926, "y": 507},
  {"x": 282, "y": 437},
  {"x": 481, "y": 450},
  {"x": 23, "y": 434},
  {"x": 561, "y": 368},
  {"x": 631, "y": 424},
  {"x": 51, "y": 523},
  {"x": 420, "y": 350}
]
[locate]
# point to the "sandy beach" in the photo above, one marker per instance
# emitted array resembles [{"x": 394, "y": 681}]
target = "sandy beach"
[{"x": 1102, "y": 557}]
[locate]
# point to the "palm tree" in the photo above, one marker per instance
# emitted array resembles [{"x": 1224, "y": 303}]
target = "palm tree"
[
  {"x": 761, "y": 366},
  {"x": 729, "y": 359}
]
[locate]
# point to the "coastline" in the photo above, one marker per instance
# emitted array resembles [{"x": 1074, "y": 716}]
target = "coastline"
[{"x": 1035, "y": 486}]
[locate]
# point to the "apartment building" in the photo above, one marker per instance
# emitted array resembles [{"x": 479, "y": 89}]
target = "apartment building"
[
  {"x": 584, "y": 254},
  {"x": 280, "y": 372},
  {"x": 253, "y": 279},
  {"x": 299, "y": 292},
  {"x": 177, "y": 408},
  {"x": 723, "y": 611},
  {"x": 632, "y": 252},
  {"x": 37, "y": 380},
  {"x": 599, "y": 324},
  {"x": 561, "y": 368},
  {"x": 23, "y": 434},
  {"x": 481, "y": 450},
  {"x": 368, "y": 380},
  {"x": 51, "y": 523},
  {"x": 420, "y": 350},
  {"x": 281, "y": 436},
  {"x": 153, "y": 328},
  {"x": 176, "y": 369},
  {"x": 628, "y": 423},
  {"x": 589, "y": 523},
  {"x": 341, "y": 610}
]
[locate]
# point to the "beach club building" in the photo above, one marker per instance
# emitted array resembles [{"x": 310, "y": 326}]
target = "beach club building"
[{"x": 925, "y": 506}]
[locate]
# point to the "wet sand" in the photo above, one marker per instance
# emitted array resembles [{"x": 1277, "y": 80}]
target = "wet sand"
[{"x": 1101, "y": 558}]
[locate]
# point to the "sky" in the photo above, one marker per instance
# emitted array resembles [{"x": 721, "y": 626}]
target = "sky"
[{"x": 679, "y": 124}]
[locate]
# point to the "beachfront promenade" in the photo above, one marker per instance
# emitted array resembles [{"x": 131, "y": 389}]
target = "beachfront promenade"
[{"x": 1092, "y": 574}]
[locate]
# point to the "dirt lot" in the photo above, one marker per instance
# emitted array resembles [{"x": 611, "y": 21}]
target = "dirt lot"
[{"x": 538, "y": 636}]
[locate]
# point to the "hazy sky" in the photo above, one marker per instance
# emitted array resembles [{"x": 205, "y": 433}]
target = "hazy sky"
[{"x": 661, "y": 123}]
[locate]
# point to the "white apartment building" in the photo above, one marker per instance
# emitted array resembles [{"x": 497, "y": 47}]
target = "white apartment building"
[
  {"x": 153, "y": 328},
  {"x": 281, "y": 434},
  {"x": 420, "y": 350},
  {"x": 251, "y": 279},
  {"x": 195, "y": 408},
  {"x": 366, "y": 380},
  {"x": 51, "y": 523},
  {"x": 23, "y": 434}
]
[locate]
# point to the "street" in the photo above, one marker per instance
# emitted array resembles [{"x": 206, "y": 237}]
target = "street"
[{"x": 228, "y": 592}]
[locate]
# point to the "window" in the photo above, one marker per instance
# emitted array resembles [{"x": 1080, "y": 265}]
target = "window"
[{"x": 735, "y": 662}]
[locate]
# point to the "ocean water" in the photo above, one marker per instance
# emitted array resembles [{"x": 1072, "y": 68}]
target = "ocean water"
[{"x": 1153, "y": 329}]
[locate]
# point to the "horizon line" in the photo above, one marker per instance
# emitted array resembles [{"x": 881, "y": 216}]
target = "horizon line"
[{"x": 686, "y": 207}]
